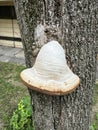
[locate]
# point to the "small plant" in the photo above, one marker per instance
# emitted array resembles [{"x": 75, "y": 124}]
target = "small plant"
[
  {"x": 94, "y": 125},
  {"x": 22, "y": 116},
  {"x": 96, "y": 116}
]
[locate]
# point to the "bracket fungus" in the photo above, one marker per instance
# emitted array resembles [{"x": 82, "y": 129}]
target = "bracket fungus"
[{"x": 50, "y": 73}]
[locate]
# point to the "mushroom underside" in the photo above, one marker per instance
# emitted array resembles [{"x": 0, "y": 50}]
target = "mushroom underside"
[{"x": 49, "y": 86}]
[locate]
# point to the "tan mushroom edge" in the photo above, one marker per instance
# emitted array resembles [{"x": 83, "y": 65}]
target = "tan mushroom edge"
[{"x": 55, "y": 91}]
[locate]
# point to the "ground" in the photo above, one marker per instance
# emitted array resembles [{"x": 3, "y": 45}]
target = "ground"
[{"x": 11, "y": 90}]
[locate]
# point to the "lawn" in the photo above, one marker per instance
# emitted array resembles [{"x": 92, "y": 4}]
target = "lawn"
[
  {"x": 12, "y": 91},
  {"x": 95, "y": 109}
]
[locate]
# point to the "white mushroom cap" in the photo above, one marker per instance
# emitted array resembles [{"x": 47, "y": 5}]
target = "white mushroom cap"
[{"x": 50, "y": 73}]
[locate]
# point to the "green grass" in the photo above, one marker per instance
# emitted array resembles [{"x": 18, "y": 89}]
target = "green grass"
[
  {"x": 94, "y": 124},
  {"x": 11, "y": 90},
  {"x": 95, "y": 99}
]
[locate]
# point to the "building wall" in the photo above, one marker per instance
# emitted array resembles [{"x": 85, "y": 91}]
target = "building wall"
[{"x": 9, "y": 29}]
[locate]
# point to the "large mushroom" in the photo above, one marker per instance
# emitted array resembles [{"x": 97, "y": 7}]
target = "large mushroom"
[{"x": 50, "y": 73}]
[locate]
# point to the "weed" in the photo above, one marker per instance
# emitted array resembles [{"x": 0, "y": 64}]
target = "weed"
[{"x": 22, "y": 116}]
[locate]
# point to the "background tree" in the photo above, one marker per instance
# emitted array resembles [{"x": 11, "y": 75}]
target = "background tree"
[{"x": 74, "y": 25}]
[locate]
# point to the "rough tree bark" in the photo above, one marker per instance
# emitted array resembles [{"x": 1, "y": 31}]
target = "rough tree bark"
[{"x": 74, "y": 25}]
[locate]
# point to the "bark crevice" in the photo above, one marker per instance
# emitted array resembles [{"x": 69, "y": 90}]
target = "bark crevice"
[{"x": 53, "y": 114}]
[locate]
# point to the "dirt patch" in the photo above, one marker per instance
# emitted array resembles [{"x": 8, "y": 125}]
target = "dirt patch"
[{"x": 16, "y": 83}]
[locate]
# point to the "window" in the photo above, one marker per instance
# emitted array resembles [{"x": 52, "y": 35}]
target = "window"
[{"x": 7, "y": 12}]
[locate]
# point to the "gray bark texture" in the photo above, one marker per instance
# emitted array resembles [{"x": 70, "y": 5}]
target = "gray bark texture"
[{"x": 74, "y": 23}]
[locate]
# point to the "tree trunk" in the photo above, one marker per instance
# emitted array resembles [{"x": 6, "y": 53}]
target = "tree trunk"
[{"x": 73, "y": 24}]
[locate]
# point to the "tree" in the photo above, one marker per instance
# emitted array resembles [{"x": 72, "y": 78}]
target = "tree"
[{"x": 73, "y": 24}]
